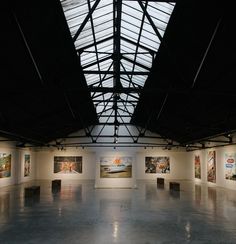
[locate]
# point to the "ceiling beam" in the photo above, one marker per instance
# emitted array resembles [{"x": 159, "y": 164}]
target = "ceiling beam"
[
  {"x": 85, "y": 20},
  {"x": 112, "y": 72}
]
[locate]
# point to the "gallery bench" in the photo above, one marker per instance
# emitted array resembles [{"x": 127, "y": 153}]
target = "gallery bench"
[
  {"x": 160, "y": 182},
  {"x": 174, "y": 186},
  {"x": 32, "y": 191},
  {"x": 56, "y": 184}
]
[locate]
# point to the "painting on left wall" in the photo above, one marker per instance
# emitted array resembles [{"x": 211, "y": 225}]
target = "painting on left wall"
[
  {"x": 27, "y": 165},
  {"x": 5, "y": 165},
  {"x": 67, "y": 164}
]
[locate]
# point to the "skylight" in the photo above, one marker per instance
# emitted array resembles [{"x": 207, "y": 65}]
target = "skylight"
[{"x": 116, "y": 42}]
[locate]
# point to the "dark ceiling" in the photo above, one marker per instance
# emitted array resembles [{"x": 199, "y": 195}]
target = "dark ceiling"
[{"x": 189, "y": 95}]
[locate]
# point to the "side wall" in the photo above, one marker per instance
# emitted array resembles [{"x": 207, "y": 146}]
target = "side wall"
[
  {"x": 220, "y": 166},
  {"x": 17, "y": 175}
]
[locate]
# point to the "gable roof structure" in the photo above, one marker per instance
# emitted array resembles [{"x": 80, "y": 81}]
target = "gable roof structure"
[{"x": 161, "y": 67}]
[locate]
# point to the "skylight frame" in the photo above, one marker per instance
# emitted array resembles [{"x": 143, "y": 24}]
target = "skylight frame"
[{"x": 138, "y": 45}]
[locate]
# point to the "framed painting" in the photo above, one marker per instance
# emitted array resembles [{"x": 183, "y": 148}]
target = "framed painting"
[
  {"x": 154, "y": 165},
  {"x": 67, "y": 164},
  {"x": 116, "y": 167},
  {"x": 5, "y": 165}
]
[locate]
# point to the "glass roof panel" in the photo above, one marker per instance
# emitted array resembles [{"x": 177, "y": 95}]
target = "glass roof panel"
[{"x": 99, "y": 38}]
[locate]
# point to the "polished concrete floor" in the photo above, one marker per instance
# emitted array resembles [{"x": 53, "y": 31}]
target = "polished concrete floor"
[{"x": 78, "y": 213}]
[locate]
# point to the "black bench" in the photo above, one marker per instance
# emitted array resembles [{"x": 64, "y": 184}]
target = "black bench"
[
  {"x": 32, "y": 191},
  {"x": 174, "y": 186},
  {"x": 160, "y": 181},
  {"x": 56, "y": 184}
]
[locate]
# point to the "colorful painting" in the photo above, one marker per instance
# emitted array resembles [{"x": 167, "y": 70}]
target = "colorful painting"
[
  {"x": 27, "y": 165},
  {"x": 67, "y": 164},
  {"x": 160, "y": 165},
  {"x": 211, "y": 166},
  {"x": 230, "y": 166},
  {"x": 197, "y": 165},
  {"x": 116, "y": 167},
  {"x": 5, "y": 165}
]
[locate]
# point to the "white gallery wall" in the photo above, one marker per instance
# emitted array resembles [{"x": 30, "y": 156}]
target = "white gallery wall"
[
  {"x": 221, "y": 152},
  {"x": 180, "y": 166},
  {"x": 45, "y": 164},
  {"x": 17, "y": 163}
]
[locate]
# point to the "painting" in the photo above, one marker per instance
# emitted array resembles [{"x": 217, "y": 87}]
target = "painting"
[
  {"x": 159, "y": 165},
  {"x": 67, "y": 164},
  {"x": 197, "y": 166},
  {"x": 27, "y": 165},
  {"x": 230, "y": 166},
  {"x": 211, "y": 166},
  {"x": 5, "y": 165},
  {"x": 116, "y": 167}
]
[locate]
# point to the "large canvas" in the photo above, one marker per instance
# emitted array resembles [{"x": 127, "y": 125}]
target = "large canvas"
[
  {"x": 5, "y": 165},
  {"x": 160, "y": 165},
  {"x": 230, "y": 166},
  {"x": 27, "y": 165},
  {"x": 197, "y": 166},
  {"x": 116, "y": 167},
  {"x": 211, "y": 166},
  {"x": 67, "y": 164}
]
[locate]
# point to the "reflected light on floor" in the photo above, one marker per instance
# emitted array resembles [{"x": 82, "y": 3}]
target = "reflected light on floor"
[
  {"x": 188, "y": 230},
  {"x": 115, "y": 230}
]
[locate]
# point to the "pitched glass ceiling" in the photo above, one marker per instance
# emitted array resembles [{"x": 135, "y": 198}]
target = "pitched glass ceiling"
[{"x": 116, "y": 41}]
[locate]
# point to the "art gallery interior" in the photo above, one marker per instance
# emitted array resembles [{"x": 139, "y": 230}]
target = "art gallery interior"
[{"x": 108, "y": 97}]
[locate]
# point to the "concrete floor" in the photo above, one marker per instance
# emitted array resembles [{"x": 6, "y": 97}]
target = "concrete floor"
[{"x": 146, "y": 215}]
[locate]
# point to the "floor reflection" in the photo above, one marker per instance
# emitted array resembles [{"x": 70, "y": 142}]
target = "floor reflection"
[
  {"x": 198, "y": 194},
  {"x": 4, "y": 207},
  {"x": 78, "y": 213}
]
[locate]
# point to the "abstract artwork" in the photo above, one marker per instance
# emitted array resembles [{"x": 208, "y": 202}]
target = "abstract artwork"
[
  {"x": 67, "y": 164},
  {"x": 5, "y": 165},
  {"x": 211, "y": 166},
  {"x": 116, "y": 167},
  {"x": 160, "y": 165},
  {"x": 27, "y": 165},
  {"x": 197, "y": 166},
  {"x": 230, "y": 166}
]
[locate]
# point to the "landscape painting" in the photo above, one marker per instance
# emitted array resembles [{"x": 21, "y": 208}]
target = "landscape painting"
[
  {"x": 230, "y": 166},
  {"x": 211, "y": 166},
  {"x": 160, "y": 165},
  {"x": 67, "y": 164},
  {"x": 116, "y": 167},
  {"x": 27, "y": 165},
  {"x": 5, "y": 165},
  {"x": 197, "y": 166}
]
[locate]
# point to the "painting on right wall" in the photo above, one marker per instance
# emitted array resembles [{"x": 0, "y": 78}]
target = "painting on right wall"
[
  {"x": 197, "y": 166},
  {"x": 211, "y": 166},
  {"x": 230, "y": 166}
]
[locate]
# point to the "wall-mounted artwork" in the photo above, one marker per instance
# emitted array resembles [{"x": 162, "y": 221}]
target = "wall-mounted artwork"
[
  {"x": 230, "y": 166},
  {"x": 27, "y": 165},
  {"x": 67, "y": 164},
  {"x": 211, "y": 166},
  {"x": 5, "y": 165},
  {"x": 160, "y": 165},
  {"x": 197, "y": 166},
  {"x": 116, "y": 167}
]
